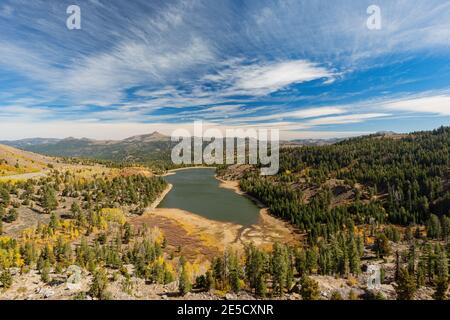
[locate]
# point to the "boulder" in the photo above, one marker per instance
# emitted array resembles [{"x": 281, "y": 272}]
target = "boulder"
[{"x": 74, "y": 277}]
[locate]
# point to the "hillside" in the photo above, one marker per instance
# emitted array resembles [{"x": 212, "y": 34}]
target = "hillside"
[
  {"x": 380, "y": 200},
  {"x": 142, "y": 148},
  {"x": 14, "y": 161},
  {"x": 139, "y": 149},
  {"x": 405, "y": 178}
]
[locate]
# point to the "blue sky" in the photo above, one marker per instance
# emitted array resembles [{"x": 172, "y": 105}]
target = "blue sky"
[{"x": 310, "y": 68}]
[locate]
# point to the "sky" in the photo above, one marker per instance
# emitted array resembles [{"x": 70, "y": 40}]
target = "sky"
[{"x": 312, "y": 69}]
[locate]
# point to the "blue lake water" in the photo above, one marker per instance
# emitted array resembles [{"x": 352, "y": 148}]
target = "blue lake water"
[{"x": 197, "y": 190}]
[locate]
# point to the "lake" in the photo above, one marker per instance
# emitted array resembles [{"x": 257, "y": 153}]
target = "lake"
[{"x": 197, "y": 190}]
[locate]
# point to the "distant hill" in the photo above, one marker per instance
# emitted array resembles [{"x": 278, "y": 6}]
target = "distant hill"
[
  {"x": 395, "y": 178},
  {"x": 141, "y": 148},
  {"x": 315, "y": 142},
  {"x": 23, "y": 143}
]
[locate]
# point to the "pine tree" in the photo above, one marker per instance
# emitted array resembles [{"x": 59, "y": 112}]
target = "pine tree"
[
  {"x": 442, "y": 284},
  {"x": 382, "y": 246},
  {"x": 412, "y": 258},
  {"x": 127, "y": 233},
  {"x": 49, "y": 200},
  {"x": 279, "y": 269},
  {"x": 406, "y": 285},
  {"x": 336, "y": 295},
  {"x": 261, "y": 286},
  {"x": 6, "y": 279},
  {"x": 421, "y": 273},
  {"x": 234, "y": 272},
  {"x": 54, "y": 221},
  {"x": 75, "y": 209},
  {"x": 45, "y": 272},
  {"x": 255, "y": 269},
  {"x": 300, "y": 261},
  {"x": 434, "y": 227},
  {"x": 99, "y": 285},
  {"x": 354, "y": 259},
  {"x": 184, "y": 284},
  {"x": 309, "y": 289},
  {"x": 442, "y": 281}
]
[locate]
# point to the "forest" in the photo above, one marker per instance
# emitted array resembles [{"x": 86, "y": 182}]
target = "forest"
[
  {"x": 373, "y": 199},
  {"x": 370, "y": 190}
]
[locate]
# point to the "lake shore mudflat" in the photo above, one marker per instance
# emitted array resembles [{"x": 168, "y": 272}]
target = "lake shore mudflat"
[
  {"x": 268, "y": 225},
  {"x": 206, "y": 236}
]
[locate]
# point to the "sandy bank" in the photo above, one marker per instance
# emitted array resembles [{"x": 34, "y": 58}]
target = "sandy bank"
[
  {"x": 161, "y": 197},
  {"x": 172, "y": 171}
]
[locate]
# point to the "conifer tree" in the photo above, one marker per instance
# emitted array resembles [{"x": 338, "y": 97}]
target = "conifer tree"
[
  {"x": 280, "y": 265},
  {"x": 99, "y": 285},
  {"x": 309, "y": 289},
  {"x": 6, "y": 279},
  {"x": 184, "y": 282},
  {"x": 406, "y": 285}
]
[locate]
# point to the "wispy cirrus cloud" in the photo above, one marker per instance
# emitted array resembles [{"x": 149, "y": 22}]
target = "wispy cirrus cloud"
[
  {"x": 265, "y": 78},
  {"x": 437, "y": 104},
  {"x": 296, "y": 65},
  {"x": 298, "y": 114}
]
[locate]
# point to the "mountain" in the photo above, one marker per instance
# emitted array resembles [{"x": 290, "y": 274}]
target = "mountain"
[
  {"x": 385, "y": 133},
  {"x": 23, "y": 143},
  {"x": 141, "y": 148},
  {"x": 316, "y": 142},
  {"x": 402, "y": 180},
  {"x": 152, "y": 137}
]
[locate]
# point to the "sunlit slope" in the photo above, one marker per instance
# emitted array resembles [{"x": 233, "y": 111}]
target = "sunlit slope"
[{"x": 14, "y": 161}]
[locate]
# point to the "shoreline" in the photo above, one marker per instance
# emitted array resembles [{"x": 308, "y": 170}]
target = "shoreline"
[
  {"x": 172, "y": 171},
  {"x": 160, "y": 197},
  {"x": 265, "y": 216},
  {"x": 216, "y": 235},
  {"x": 234, "y": 185}
]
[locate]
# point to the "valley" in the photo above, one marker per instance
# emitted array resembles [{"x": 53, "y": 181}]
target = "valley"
[{"x": 140, "y": 232}]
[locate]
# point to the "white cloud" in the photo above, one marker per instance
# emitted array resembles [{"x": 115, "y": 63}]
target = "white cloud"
[
  {"x": 351, "y": 118},
  {"x": 27, "y": 62},
  {"x": 273, "y": 77},
  {"x": 316, "y": 112},
  {"x": 262, "y": 78},
  {"x": 131, "y": 64},
  {"x": 6, "y": 11},
  {"x": 298, "y": 114},
  {"x": 438, "y": 104},
  {"x": 115, "y": 131},
  {"x": 292, "y": 135},
  {"x": 172, "y": 46}
]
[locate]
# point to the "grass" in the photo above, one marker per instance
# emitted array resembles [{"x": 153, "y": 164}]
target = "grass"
[{"x": 8, "y": 170}]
